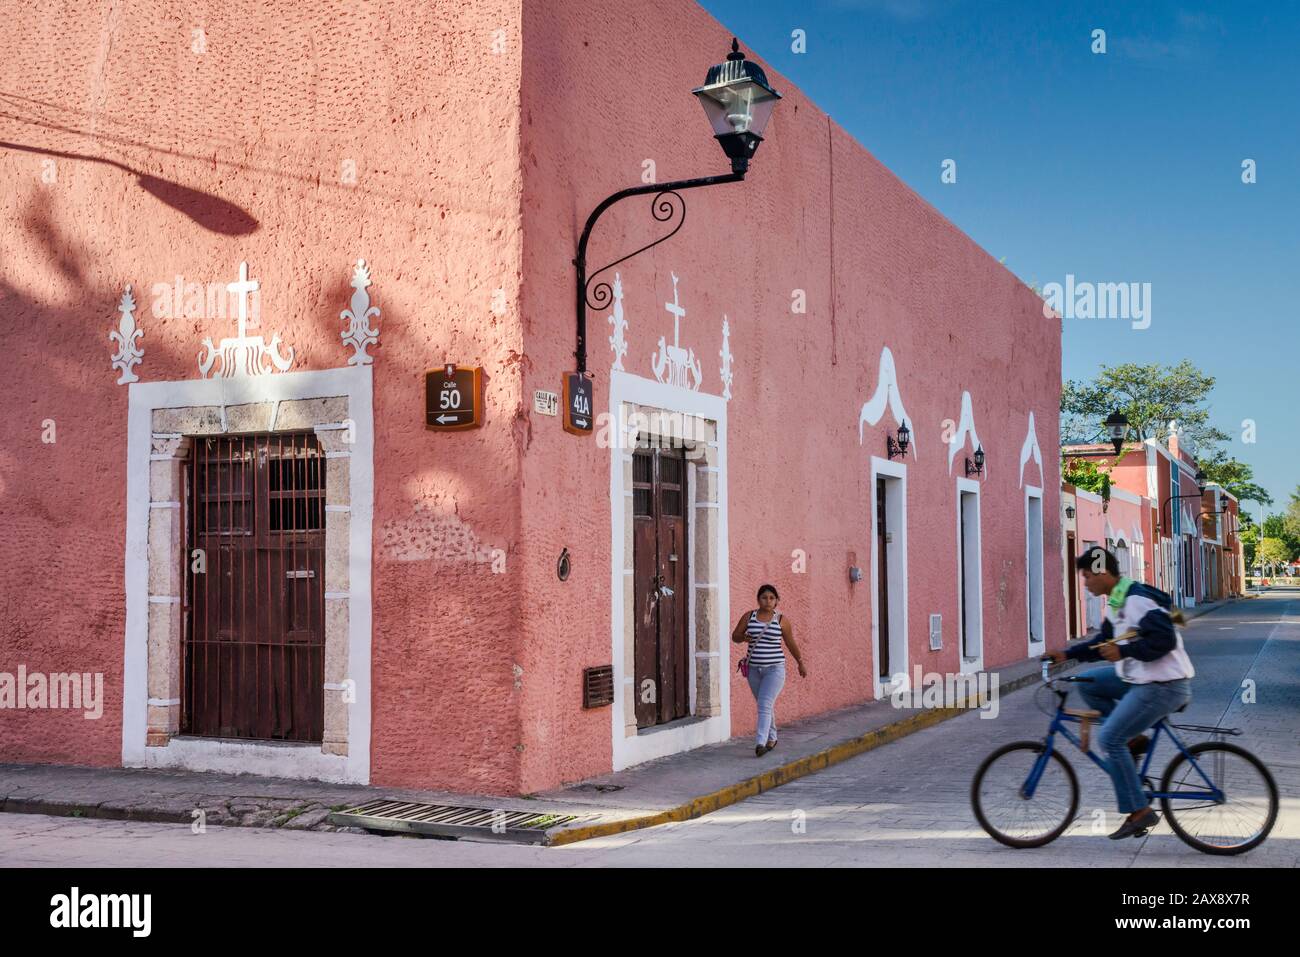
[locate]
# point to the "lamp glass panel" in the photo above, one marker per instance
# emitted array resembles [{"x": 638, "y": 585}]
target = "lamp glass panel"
[{"x": 740, "y": 107}]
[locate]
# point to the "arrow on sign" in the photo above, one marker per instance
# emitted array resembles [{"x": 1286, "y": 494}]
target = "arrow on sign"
[
  {"x": 444, "y": 419},
  {"x": 580, "y": 422}
]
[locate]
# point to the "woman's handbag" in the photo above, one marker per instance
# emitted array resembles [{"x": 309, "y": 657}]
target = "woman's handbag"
[{"x": 743, "y": 665}]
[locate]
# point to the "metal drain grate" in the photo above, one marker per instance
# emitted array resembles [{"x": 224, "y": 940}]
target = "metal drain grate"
[{"x": 448, "y": 820}]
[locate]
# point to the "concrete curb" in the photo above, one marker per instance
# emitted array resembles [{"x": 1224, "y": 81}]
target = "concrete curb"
[{"x": 775, "y": 777}]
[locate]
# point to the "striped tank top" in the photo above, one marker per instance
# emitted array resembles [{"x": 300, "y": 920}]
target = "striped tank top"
[{"x": 765, "y": 648}]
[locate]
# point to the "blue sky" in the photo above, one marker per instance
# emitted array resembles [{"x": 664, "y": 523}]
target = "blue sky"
[{"x": 1117, "y": 167}]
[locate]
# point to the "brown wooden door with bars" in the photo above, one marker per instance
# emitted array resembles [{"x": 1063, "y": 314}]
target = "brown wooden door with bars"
[
  {"x": 660, "y": 652},
  {"x": 254, "y": 643}
]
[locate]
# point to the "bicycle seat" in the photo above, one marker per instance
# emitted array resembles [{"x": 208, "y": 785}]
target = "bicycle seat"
[{"x": 1183, "y": 708}]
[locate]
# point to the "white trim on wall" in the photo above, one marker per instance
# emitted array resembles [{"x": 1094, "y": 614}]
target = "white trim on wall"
[
  {"x": 628, "y": 750},
  {"x": 896, "y": 504},
  {"x": 208, "y": 754}
]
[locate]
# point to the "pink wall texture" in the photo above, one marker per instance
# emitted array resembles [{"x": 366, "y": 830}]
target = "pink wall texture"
[
  {"x": 481, "y": 137},
  {"x": 879, "y": 268},
  {"x": 144, "y": 140}
]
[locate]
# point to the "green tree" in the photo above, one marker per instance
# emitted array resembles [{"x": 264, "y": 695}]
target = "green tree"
[
  {"x": 1236, "y": 477},
  {"x": 1150, "y": 395},
  {"x": 1249, "y": 538},
  {"x": 1084, "y": 474},
  {"x": 1275, "y": 527},
  {"x": 1271, "y": 553},
  {"x": 1291, "y": 519}
]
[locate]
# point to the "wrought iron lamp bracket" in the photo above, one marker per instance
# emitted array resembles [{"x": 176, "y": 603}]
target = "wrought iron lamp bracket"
[{"x": 662, "y": 209}]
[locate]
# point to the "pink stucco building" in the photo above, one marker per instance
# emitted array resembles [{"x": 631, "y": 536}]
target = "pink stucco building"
[{"x": 278, "y": 568}]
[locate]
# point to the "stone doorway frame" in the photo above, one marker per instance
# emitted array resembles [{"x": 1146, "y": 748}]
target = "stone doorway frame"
[
  {"x": 667, "y": 408},
  {"x": 163, "y": 418}
]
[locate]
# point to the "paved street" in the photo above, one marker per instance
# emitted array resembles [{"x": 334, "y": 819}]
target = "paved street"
[{"x": 905, "y": 804}]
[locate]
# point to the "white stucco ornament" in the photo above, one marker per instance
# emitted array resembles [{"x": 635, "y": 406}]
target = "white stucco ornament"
[
  {"x": 244, "y": 355},
  {"x": 727, "y": 357},
  {"x": 359, "y": 335},
  {"x": 965, "y": 432},
  {"x": 618, "y": 341},
  {"x": 126, "y": 335},
  {"x": 674, "y": 365},
  {"x": 1030, "y": 450},
  {"x": 888, "y": 397}
]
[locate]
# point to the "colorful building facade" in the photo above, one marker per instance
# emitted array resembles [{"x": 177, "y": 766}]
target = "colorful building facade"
[
  {"x": 1158, "y": 522},
  {"x": 235, "y": 508}
]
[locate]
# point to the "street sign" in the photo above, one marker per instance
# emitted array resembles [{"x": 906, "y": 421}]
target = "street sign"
[
  {"x": 453, "y": 398},
  {"x": 546, "y": 403},
  {"x": 577, "y": 404}
]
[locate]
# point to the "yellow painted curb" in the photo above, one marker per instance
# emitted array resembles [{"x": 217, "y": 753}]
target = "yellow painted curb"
[{"x": 784, "y": 774}]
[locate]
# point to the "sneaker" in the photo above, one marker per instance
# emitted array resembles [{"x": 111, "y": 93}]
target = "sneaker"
[
  {"x": 1137, "y": 827},
  {"x": 771, "y": 743},
  {"x": 761, "y": 750}
]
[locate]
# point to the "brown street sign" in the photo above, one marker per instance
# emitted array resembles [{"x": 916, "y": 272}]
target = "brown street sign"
[
  {"x": 577, "y": 404},
  {"x": 453, "y": 397}
]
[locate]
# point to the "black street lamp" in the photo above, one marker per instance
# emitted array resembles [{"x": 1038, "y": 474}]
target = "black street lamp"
[
  {"x": 904, "y": 439},
  {"x": 976, "y": 467},
  {"x": 738, "y": 103},
  {"x": 1117, "y": 429},
  {"x": 1200, "y": 493}
]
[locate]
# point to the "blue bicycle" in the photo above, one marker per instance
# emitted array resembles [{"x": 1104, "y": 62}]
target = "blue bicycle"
[{"x": 1217, "y": 797}]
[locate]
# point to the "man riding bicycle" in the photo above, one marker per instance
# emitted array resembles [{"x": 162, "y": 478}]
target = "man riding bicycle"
[{"x": 1151, "y": 677}]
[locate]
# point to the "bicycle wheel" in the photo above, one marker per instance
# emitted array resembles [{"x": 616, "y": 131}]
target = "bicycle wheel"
[
  {"x": 1249, "y": 807},
  {"x": 1010, "y": 818}
]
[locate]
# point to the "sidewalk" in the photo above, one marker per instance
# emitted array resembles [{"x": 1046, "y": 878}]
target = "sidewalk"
[{"x": 674, "y": 788}]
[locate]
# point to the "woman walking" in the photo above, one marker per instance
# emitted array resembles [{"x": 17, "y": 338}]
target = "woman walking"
[{"x": 765, "y": 629}]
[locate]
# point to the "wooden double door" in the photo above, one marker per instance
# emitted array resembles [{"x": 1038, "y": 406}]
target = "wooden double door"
[
  {"x": 660, "y": 586},
  {"x": 254, "y": 602}
]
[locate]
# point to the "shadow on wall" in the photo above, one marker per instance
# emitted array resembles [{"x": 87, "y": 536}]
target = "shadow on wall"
[{"x": 211, "y": 212}]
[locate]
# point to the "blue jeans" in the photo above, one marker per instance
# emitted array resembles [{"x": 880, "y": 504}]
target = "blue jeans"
[
  {"x": 1128, "y": 710},
  {"x": 766, "y": 681}
]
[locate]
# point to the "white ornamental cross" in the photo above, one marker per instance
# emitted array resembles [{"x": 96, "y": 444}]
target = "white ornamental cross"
[
  {"x": 672, "y": 363},
  {"x": 244, "y": 354}
]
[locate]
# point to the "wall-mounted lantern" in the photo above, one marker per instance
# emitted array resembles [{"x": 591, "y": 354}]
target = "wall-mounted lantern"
[
  {"x": 976, "y": 467},
  {"x": 904, "y": 439},
  {"x": 738, "y": 102},
  {"x": 1200, "y": 481},
  {"x": 1117, "y": 429},
  {"x": 1069, "y": 512}
]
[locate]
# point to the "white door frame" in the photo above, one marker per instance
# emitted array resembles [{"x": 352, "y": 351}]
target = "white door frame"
[
  {"x": 1034, "y": 600},
  {"x": 227, "y": 755},
  {"x": 631, "y": 749},
  {"x": 977, "y": 664},
  {"x": 895, "y": 474}
]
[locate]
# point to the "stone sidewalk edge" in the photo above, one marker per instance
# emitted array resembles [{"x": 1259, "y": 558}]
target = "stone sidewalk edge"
[{"x": 775, "y": 777}]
